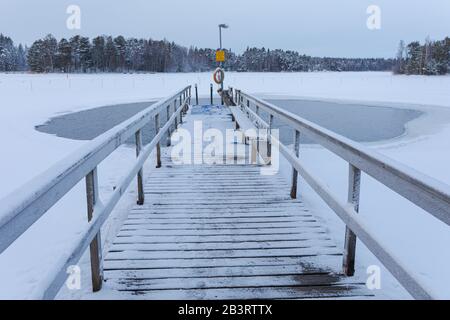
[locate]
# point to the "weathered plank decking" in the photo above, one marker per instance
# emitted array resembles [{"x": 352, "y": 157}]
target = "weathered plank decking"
[{"x": 223, "y": 232}]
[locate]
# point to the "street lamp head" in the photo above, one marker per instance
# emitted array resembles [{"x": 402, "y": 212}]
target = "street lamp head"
[{"x": 224, "y": 26}]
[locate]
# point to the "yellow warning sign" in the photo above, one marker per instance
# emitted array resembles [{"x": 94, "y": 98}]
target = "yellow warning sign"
[{"x": 220, "y": 55}]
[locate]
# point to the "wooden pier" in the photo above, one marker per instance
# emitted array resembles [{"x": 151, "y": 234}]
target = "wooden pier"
[{"x": 224, "y": 231}]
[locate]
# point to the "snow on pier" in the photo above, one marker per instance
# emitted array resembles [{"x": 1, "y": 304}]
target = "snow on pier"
[{"x": 223, "y": 231}]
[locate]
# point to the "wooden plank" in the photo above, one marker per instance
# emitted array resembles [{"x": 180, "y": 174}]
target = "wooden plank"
[
  {"x": 222, "y": 198},
  {"x": 207, "y": 272},
  {"x": 213, "y": 220},
  {"x": 230, "y": 213},
  {"x": 229, "y": 254},
  {"x": 208, "y": 283},
  {"x": 204, "y": 203},
  {"x": 96, "y": 244},
  {"x": 244, "y": 191},
  {"x": 202, "y": 189},
  {"x": 218, "y": 239},
  {"x": 269, "y": 293},
  {"x": 145, "y": 246},
  {"x": 216, "y": 226},
  {"x": 354, "y": 187},
  {"x": 192, "y": 211},
  {"x": 224, "y": 232},
  {"x": 314, "y": 261},
  {"x": 193, "y": 215},
  {"x": 140, "y": 176},
  {"x": 216, "y": 186}
]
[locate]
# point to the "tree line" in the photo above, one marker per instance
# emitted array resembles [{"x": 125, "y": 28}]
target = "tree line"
[
  {"x": 431, "y": 58},
  {"x": 118, "y": 54}
]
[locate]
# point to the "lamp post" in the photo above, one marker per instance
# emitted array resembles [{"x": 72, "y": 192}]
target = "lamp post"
[{"x": 221, "y": 26}]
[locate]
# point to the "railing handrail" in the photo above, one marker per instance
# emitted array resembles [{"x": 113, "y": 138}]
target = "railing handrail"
[
  {"x": 23, "y": 208},
  {"x": 408, "y": 182},
  {"x": 405, "y": 181}
]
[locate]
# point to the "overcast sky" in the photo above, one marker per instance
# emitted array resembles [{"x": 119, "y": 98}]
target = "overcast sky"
[{"x": 315, "y": 27}]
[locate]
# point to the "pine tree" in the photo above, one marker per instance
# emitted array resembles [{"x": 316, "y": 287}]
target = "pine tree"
[
  {"x": 441, "y": 56},
  {"x": 64, "y": 56},
  {"x": 86, "y": 62},
  {"x": 414, "y": 58},
  {"x": 8, "y": 54},
  {"x": 429, "y": 65},
  {"x": 76, "y": 56},
  {"x": 110, "y": 55},
  {"x": 98, "y": 54},
  {"x": 35, "y": 57},
  {"x": 120, "y": 44},
  {"x": 49, "y": 49},
  {"x": 21, "y": 60}
]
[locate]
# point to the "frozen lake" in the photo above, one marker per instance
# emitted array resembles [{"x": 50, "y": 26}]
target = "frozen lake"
[{"x": 357, "y": 122}]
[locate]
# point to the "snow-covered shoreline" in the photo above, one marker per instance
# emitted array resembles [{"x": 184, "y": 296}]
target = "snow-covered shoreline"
[{"x": 28, "y": 100}]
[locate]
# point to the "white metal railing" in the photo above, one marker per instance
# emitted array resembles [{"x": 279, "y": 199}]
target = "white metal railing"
[
  {"x": 22, "y": 209},
  {"x": 429, "y": 194}
]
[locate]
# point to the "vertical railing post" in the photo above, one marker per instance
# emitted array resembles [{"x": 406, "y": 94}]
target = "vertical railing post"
[
  {"x": 175, "y": 110},
  {"x": 140, "y": 176},
  {"x": 354, "y": 189},
  {"x": 186, "y": 102},
  {"x": 96, "y": 244},
  {"x": 294, "y": 187},
  {"x": 211, "y": 93},
  {"x": 158, "y": 146},
  {"x": 269, "y": 140},
  {"x": 189, "y": 95},
  {"x": 169, "y": 132},
  {"x": 258, "y": 135},
  {"x": 181, "y": 112},
  {"x": 196, "y": 94}
]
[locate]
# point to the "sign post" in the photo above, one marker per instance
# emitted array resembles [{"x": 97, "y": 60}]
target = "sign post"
[{"x": 220, "y": 56}]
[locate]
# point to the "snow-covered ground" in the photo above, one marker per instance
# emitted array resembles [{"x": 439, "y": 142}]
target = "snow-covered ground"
[{"x": 29, "y": 100}]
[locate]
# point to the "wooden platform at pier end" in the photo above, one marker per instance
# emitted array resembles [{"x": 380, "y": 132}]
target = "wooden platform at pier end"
[{"x": 223, "y": 231}]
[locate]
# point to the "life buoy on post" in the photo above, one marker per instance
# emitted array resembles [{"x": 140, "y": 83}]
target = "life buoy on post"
[{"x": 219, "y": 76}]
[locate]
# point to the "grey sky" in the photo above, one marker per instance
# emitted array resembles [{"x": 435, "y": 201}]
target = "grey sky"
[{"x": 315, "y": 27}]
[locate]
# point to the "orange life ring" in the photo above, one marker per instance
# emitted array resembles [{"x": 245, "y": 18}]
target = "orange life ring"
[{"x": 219, "y": 76}]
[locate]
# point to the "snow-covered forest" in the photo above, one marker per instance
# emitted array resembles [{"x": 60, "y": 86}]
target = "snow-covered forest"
[
  {"x": 12, "y": 58},
  {"x": 108, "y": 54},
  {"x": 431, "y": 58}
]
